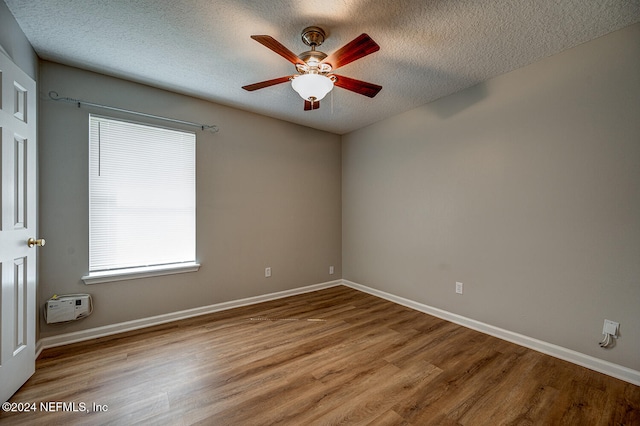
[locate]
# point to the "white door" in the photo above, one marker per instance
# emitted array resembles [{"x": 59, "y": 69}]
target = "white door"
[{"x": 17, "y": 225}]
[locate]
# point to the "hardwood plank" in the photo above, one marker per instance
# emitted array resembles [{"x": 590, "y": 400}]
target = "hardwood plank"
[
  {"x": 362, "y": 360},
  {"x": 517, "y": 399},
  {"x": 389, "y": 418}
]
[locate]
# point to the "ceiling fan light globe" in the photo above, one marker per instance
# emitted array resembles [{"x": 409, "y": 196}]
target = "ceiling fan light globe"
[{"x": 312, "y": 87}]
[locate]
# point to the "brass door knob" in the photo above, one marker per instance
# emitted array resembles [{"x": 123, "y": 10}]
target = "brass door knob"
[{"x": 33, "y": 242}]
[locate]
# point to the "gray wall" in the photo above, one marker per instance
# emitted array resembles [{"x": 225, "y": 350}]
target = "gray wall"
[
  {"x": 15, "y": 43},
  {"x": 268, "y": 194},
  {"x": 525, "y": 188}
]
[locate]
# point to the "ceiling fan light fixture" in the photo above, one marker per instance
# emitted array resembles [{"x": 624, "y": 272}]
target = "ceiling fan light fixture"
[{"x": 312, "y": 87}]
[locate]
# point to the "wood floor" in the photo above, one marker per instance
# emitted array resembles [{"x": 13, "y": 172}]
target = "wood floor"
[{"x": 335, "y": 356}]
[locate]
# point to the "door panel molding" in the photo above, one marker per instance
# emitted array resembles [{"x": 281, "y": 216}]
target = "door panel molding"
[{"x": 18, "y": 184}]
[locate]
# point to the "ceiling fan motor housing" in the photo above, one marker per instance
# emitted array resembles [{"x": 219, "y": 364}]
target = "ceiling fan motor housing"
[{"x": 313, "y": 36}]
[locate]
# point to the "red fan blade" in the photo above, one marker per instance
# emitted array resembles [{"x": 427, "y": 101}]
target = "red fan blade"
[
  {"x": 263, "y": 84},
  {"x": 357, "y": 48},
  {"x": 309, "y": 106},
  {"x": 277, "y": 47},
  {"x": 362, "y": 87}
]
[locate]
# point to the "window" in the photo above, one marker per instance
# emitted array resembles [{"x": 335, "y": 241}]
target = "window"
[{"x": 141, "y": 200}]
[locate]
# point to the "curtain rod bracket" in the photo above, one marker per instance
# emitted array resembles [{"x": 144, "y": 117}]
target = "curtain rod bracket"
[{"x": 56, "y": 97}]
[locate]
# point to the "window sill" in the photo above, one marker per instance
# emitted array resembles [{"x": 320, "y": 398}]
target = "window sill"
[{"x": 143, "y": 272}]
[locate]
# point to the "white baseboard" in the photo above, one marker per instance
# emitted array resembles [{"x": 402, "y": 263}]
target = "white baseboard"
[
  {"x": 590, "y": 362},
  {"x": 107, "y": 330}
]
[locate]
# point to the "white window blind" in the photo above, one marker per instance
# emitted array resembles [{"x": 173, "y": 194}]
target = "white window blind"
[{"x": 141, "y": 195}]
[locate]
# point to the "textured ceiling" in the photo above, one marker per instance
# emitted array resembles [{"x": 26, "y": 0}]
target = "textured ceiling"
[{"x": 428, "y": 48}]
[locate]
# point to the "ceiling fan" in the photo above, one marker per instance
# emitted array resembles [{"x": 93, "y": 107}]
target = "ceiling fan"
[{"x": 315, "y": 77}]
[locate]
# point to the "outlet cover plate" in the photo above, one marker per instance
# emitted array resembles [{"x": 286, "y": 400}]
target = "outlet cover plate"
[
  {"x": 459, "y": 287},
  {"x": 610, "y": 327}
]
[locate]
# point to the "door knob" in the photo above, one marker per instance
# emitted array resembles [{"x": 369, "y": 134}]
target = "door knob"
[{"x": 33, "y": 242}]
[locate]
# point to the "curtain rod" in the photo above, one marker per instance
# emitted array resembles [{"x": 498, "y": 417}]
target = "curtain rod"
[{"x": 54, "y": 96}]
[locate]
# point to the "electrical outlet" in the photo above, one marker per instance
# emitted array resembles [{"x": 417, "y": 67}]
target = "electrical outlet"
[
  {"x": 610, "y": 327},
  {"x": 267, "y": 272},
  {"x": 459, "y": 287},
  {"x": 330, "y": 270}
]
